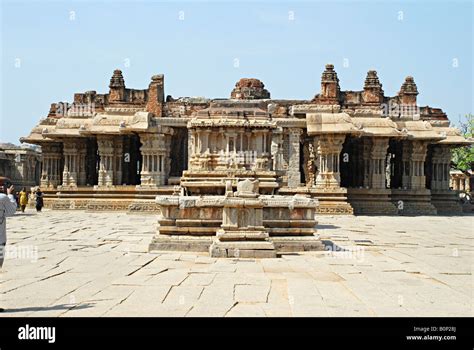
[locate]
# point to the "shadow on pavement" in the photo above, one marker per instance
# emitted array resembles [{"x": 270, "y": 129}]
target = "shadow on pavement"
[
  {"x": 48, "y": 308},
  {"x": 326, "y": 227}
]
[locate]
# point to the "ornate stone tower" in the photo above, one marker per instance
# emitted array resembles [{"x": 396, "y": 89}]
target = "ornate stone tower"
[
  {"x": 117, "y": 87},
  {"x": 329, "y": 86},
  {"x": 408, "y": 92},
  {"x": 373, "y": 92}
]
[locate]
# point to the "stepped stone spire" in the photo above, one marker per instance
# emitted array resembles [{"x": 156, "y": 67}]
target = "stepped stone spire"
[
  {"x": 117, "y": 87},
  {"x": 329, "y": 86},
  {"x": 373, "y": 92},
  {"x": 408, "y": 91}
]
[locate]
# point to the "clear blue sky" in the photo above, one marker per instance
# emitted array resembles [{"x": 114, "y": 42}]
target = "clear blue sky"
[{"x": 48, "y": 52}]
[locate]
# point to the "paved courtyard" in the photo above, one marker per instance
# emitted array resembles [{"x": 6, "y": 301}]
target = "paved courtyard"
[{"x": 73, "y": 263}]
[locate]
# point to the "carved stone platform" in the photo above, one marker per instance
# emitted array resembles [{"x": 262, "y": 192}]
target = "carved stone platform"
[{"x": 238, "y": 224}]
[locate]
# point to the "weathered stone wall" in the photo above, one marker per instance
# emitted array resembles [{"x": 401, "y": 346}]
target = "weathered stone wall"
[{"x": 21, "y": 165}]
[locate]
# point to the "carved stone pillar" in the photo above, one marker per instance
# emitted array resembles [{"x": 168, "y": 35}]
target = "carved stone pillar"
[
  {"x": 414, "y": 155},
  {"x": 443, "y": 198},
  {"x": 294, "y": 176},
  {"x": 205, "y": 140},
  {"x": 51, "y": 165},
  {"x": 311, "y": 166},
  {"x": 81, "y": 163},
  {"x": 261, "y": 150},
  {"x": 378, "y": 155},
  {"x": 364, "y": 162},
  {"x": 165, "y": 147},
  {"x": 74, "y": 170},
  {"x": 118, "y": 157},
  {"x": 106, "y": 154},
  {"x": 156, "y": 161},
  {"x": 258, "y": 135},
  {"x": 440, "y": 163},
  {"x": 221, "y": 162},
  {"x": 276, "y": 149},
  {"x": 329, "y": 147},
  {"x": 191, "y": 146}
]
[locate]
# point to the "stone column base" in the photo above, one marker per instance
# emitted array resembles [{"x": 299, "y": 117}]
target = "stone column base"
[
  {"x": 446, "y": 202},
  {"x": 332, "y": 201},
  {"x": 413, "y": 202},
  {"x": 371, "y": 201}
]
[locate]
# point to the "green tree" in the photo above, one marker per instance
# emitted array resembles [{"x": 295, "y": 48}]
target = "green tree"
[{"x": 463, "y": 157}]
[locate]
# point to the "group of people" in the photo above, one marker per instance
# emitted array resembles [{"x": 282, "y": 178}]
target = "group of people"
[{"x": 22, "y": 198}]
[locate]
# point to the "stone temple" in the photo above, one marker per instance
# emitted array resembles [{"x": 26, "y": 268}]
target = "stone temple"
[{"x": 246, "y": 175}]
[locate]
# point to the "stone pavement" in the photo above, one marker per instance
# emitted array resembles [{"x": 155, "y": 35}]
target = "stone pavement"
[{"x": 73, "y": 263}]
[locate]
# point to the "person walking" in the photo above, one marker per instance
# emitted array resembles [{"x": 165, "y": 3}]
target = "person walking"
[
  {"x": 39, "y": 200},
  {"x": 7, "y": 208},
  {"x": 16, "y": 195},
  {"x": 23, "y": 199}
]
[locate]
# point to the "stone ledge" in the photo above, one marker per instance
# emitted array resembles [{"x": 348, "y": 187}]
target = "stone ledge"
[
  {"x": 375, "y": 207},
  {"x": 174, "y": 243},
  {"x": 255, "y": 250},
  {"x": 297, "y": 244}
]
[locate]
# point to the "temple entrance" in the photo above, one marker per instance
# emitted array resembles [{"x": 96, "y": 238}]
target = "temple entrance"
[
  {"x": 346, "y": 167},
  {"x": 351, "y": 163},
  {"x": 92, "y": 162},
  {"x": 396, "y": 163},
  {"x": 179, "y": 152},
  {"x": 429, "y": 167},
  {"x": 131, "y": 160}
]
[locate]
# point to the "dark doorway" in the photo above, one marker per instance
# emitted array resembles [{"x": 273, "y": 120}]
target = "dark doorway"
[
  {"x": 303, "y": 164},
  {"x": 346, "y": 163},
  {"x": 179, "y": 152},
  {"x": 92, "y": 162},
  {"x": 351, "y": 163},
  {"x": 396, "y": 163},
  {"x": 429, "y": 167},
  {"x": 131, "y": 160}
]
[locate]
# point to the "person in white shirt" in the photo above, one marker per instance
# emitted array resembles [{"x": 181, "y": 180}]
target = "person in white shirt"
[{"x": 7, "y": 208}]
